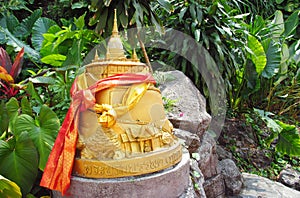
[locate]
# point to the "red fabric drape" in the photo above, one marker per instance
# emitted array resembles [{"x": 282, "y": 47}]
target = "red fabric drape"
[{"x": 57, "y": 173}]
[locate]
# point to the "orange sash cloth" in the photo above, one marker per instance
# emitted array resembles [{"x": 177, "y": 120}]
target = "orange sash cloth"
[{"x": 57, "y": 173}]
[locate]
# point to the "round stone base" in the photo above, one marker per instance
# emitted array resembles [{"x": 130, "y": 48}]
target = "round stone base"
[{"x": 169, "y": 183}]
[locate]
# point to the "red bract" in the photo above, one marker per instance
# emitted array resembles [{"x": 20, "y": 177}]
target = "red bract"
[{"x": 9, "y": 72}]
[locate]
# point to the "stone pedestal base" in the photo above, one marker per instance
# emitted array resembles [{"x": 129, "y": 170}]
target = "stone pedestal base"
[{"x": 169, "y": 183}]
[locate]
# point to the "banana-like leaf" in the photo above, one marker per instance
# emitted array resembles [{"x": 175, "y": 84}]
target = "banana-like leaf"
[
  {"x": 9, "y": 189},
  {"x": 42, "y": 131},
  {"x": 289, "y": 140},
  {"x": 19, "y": 161},
  {"x": 258, "y": 55}
]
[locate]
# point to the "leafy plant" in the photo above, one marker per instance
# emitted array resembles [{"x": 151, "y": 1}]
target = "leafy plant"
[
  {"x": 68, "y": 45},
  {"x": 9, "y": 73},
  {"x": 288, "y": 135},
  {"x": 9, "y": 189},
  {"x": 27, "y": 141},
  {"x": 131, "y": 13}
]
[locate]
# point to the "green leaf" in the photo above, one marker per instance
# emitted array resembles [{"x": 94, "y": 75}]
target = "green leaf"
[
  {"x": 4, "y": 119},
  {"x": 9, "y": 189},
  {"x": 74, "y": 54},
  {"x": 258, "y": 55},
  {"x": 42, "y": 80},
  {"x": 11, "y": 22},
  {"x": 272, "y": 124},
  {"x": 182, "y": 12},
  {"x": 80, "y": 4},
  {"x": 42, "y": 131},
  {"x": 18, "y": 45},
  {"x": 80, "y": 21},
  {"x": 19, "y": 161},
  {"x": 291, "y": 24},
  {"x": 25, "y": 27},
  {"x": 289, "y": 140},
  {"x": 26, "y": 107},
  {"x": 166, "y": 5},
  {"x": 12, "y": 107},
  {"x": 54, "y": 59},
  {"x": 273, "y": 54},
  {"x": 279, "y": 24},
  {"x": 31, "y": 90},
  {"x": 40, "y": 27}
]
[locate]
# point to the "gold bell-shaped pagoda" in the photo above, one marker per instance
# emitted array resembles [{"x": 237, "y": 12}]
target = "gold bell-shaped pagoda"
[{"x": 126, "y": 133}]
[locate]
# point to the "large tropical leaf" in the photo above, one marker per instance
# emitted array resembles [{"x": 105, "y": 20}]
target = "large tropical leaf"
[
  {"x": 18, "y": 45},
  {"x": 26, "y": 107},
  {"x": 12, "y": 107},
  {"x": 289, "y": 140},
  {"x": 19, "y": 161},
  {"x": 54, "y": 59},
  {"x": 42, "y": 130},
  {"x": 279, "y": 24},
  {"x": 273, "y": 53},
  {"x": 258, "y": 55},
  {"x": 4, "y": 120},
  {"x": 40, "y": 27},
  {"x": 9, "y": 189},
  {"x": 25, "y": 27}
]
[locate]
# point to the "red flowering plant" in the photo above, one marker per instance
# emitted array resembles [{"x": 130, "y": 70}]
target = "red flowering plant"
[{"x": 9, "y": 73}]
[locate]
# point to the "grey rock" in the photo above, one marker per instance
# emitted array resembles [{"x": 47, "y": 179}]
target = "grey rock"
[
  {"x": 189, "y": 113},
  {"x": 208, "y": 158},
  {"x": 223, "y": 154},
  {"x": 197, "y": 179},
  {"x": 191, "y": 140},
  {"x": 190, "y": 191},
  {"x": 290, "y": 178},
  {"x": 256, "y": 186},
  {"x": 214, "y": 187},
  {"x": 232, "y": 177}
]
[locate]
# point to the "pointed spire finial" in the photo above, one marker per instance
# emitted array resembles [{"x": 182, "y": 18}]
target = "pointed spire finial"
[
  {"x": 96, "y": 56},
  {"x": 115, "y": 32},
  {"x": 134, "y": 56}
]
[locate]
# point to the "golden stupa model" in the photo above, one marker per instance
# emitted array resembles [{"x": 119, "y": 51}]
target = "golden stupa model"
[{"x": 127, "y": 132}]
